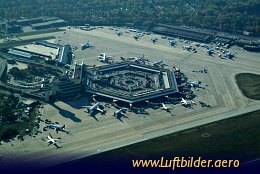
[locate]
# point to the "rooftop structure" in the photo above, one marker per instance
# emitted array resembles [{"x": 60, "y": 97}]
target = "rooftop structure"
[
  {"x": 39, "y": 50},
  {"x": 185, "y": 33},
  {"x": 64, "y": 55},
  {"x": 47, "y": 44},
  {"x": 66, "y": 88},
  {"x": 20, "y": 53},
  {"x": 29, "y": 21},
  {"x": 44, "y": 49},
  {"x": 49, "y": 24},
  {"x": 130, "y": 82}
]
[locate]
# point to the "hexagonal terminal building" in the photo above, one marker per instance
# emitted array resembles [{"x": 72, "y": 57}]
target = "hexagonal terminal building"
[{"x": 130, "y": 82}]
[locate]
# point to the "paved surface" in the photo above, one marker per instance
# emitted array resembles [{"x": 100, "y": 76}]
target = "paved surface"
[{"x": 89, "y": 136}]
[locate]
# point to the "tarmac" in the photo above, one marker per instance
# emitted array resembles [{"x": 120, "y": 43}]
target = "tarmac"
[{"x": 104, "y": 132}]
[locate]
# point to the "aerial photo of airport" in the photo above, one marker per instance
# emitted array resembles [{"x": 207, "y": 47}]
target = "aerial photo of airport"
[{"x": 72, "y": 89}]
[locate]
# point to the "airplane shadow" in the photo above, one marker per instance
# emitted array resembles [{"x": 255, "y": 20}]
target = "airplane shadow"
[
  {"x": 66, "y": 113},
  {"x": 78, "y": 103},
  {"x": 93, "y": 115},
  {"x": 120, "y": 118}
]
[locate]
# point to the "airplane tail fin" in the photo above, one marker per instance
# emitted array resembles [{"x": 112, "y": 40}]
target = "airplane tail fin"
[{"x": 104, "y": 112}]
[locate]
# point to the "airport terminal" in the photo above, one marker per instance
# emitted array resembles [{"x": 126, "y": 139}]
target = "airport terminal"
[{"x": 130, "y": 82}]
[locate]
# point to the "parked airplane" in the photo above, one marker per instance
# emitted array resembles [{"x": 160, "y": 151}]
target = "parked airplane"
[
  {"x": 94, "y": 108},
  {"x": 120, "y": 112},
  {"x": 165, "y": 108},
  {"x": 157, "y": 63},
  {"x": 136, "y": 37},
  {"x": 103, "y": 57},
  {"x": 53, "y": 141},
  {"x": 132, "y": 30},
  {"x": 194, "y": 84},
  {"x": 154, "y": 39},
  {"x": 57, "y": 127},
  {"x": 172, "y": 43},
  {"x": 86, "y": 45},
  {"x": 141, "y": 59},
  {"x": 183, "y": 101},
  {"x": 229, "y": 55},
  {"x": 119, "y": 33},
  {"x": 210, "y": 52}
]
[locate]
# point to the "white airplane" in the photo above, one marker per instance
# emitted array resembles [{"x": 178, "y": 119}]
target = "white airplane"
[
  {"x": 94, "y": 108},
  {"x": 183, "y": 101},
  {"x": 194, "y": 84},
  {"x": 141, "y": 59},
  {"x": 53, "y": 141},
  {"x": 187, "y": 47},
  {"x": 120, "y": 112},
  {"x": 229, "y": 55},
  {"x": 165, "y": 108},
  {"x": 210, "y": 52},
  {"x": 132, "y": 30},
  {"x": 57, "y": 127},
  {"x": 103, "y": 57},
  {"x": 86, "y": 45}
]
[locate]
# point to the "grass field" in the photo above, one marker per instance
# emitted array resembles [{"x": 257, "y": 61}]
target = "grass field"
[{"x": 249, "y": 84}]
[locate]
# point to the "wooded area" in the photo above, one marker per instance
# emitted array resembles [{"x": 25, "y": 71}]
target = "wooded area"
[{"x": 226, "y": 15}]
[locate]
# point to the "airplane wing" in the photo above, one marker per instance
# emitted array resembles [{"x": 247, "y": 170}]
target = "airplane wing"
[
  {"x": 193, "y": 102},
  {"x": 183, "y": 101},
  {"x": 163, "y": 105},
  {"x": 95, "y": 100},
  {"x": 100, "y": 110},
  {"x": 95, "y": 106}
]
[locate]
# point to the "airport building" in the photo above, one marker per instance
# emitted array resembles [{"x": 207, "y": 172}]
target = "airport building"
[
  {"x": 64, "y": 55},
  {"x": 130, "y": 82},
  {"x": 44, "y": 50},
  {"x": 184, "y": 33},
  {"x": 66, "y": 87},
  {"x": 49, "y": 24}
]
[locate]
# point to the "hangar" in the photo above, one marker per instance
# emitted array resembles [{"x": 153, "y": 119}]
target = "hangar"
[{"x": 130, "y": 82}]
